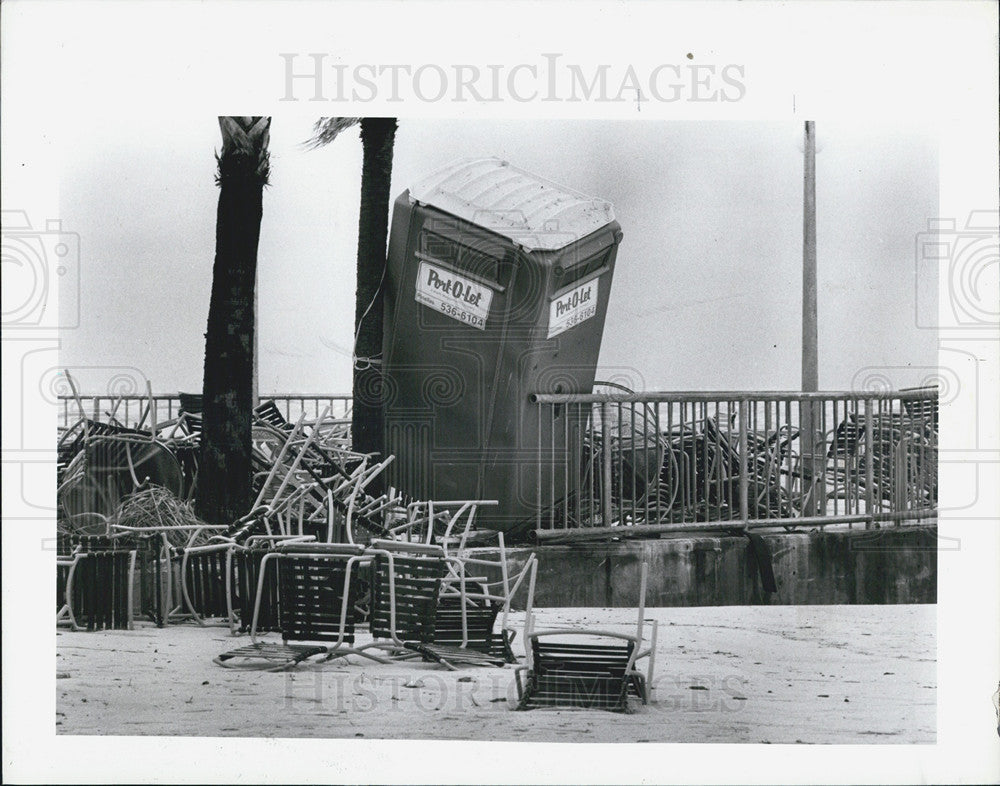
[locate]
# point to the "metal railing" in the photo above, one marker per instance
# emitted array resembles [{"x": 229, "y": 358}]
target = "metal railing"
[
  {"x": 612, "y": 464},
  {"x": 134, "y": 411},
  {"x": 688, "y": 461}
]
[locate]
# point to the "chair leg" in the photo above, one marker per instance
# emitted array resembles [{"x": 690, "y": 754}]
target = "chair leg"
[
  {"x": 130, "y": 602},
  {"x": 343, "y": 652},
  {"x": 68, "y": 596},
  {"x": 652, "y": 655},
  {"x": 522, "y": 694}
]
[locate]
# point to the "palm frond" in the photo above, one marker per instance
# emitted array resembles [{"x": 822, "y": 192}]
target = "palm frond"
[
  {"x": 244, "y": 152},
  {"x": 326, "y": 129}
]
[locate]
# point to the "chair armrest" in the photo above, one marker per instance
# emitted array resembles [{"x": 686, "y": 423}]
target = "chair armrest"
[
  {"x": 252, "y": 540},
  {"x": 410, "y": 548},
  {"x": 302, "y": 546},
  {"x": 455, "y": 579},
  {"x": 207, "y": 548},
  {"x": 578, "y": 632}
]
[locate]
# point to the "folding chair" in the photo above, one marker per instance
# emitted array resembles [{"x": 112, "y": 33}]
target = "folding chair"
[
  {"x": 593, "y": 675},
  {"x": 170, "y": 602},
  {"x": 308, "y": 487},
  {"x": 207, "y": 580},
  {"x": 94, "y": 585},
  {"x": 483, "y": 598},
  {"x": 316, "y": 600},
  {"x": 406, "y": 593},
  {"x": 67, "y": 559}
]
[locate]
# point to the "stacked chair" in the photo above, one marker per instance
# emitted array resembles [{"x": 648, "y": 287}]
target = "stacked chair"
[
  {"x": 94, "y": 582},
  {"x": 421, "y": 600},
  {"x": 319, "y": 555},
  {"x": 307, "y": 490}
]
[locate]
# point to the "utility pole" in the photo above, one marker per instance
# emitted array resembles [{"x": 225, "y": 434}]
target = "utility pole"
[
  {"x": 810, "y": 358},
  {"x": 810, "y": 416}
]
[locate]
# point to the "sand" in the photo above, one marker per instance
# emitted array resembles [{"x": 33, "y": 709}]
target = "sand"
[{"x": 781, "y": 674}]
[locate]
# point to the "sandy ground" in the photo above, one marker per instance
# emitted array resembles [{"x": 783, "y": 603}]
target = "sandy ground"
[{"x": 782, "y": 674}]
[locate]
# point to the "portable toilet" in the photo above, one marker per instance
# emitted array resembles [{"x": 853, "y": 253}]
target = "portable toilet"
[{"x": 497, "y": 287}]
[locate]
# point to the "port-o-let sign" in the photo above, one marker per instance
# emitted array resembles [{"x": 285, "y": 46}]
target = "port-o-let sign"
[
  {"x": 573, "y": 308},
  {"x": 456, "y": 296}
]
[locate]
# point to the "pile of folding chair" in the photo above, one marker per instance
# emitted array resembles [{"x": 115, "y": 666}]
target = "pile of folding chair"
[
  {"x": 419, "y": 597},
  {"x": 321, "y": 566},
  {"x": 431, "y": 595}
]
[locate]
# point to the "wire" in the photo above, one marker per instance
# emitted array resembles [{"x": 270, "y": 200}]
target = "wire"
[{"x": 365, "y": 363}]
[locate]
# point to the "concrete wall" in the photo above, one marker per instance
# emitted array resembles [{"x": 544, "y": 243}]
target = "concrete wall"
[{"x": 889, "y": 565}]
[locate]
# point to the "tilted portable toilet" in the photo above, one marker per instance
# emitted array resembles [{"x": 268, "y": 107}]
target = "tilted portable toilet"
[{"x": 496, "y": 288}]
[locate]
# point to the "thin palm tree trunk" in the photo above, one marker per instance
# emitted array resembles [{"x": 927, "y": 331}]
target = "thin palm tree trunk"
[
  {"x": 377, "y": 137},
  {"x": 224, "y": 475}
]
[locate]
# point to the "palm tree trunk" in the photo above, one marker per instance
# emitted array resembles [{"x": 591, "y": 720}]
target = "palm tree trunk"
[
  {"x": 224, "y": 474},
  {"x": 377, "y": 137}
]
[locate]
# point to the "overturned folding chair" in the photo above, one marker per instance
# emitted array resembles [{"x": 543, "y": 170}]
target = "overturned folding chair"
[
  {"x": 306, "y": 487},
  {"x": 467, "y": 618},
  {"x": 407, "y": 584},
  {"x": 316, "y": 604},
  {"x": 596, "y": 675}
]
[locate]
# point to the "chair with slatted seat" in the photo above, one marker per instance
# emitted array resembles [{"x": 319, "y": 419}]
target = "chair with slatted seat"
[
  {"x": 405, "y": 585},
  {"x": 219, "y": 579},
  {"x": 406, "y": 592},
  {"x": 94, "y": 582},
  {"x": 207, "y": 578},
  {"x": 67, "y": 559},
  {"x": 486, "y": 597},
  {"x": 408, "y": 604},
  {"x": 468, "y": 605},
  {"x": 316, "y": 608},
  {"x": 475, "y": 633},
  {"x": 565, "y": 671}
]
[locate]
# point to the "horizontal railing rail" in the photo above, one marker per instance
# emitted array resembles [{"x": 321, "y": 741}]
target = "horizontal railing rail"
[
  {"x": 134, "y": 410},
  {"x": 615, "y": 464},
  {"x": 916, "y": 394},
  {"x": 629, "y": 464}
]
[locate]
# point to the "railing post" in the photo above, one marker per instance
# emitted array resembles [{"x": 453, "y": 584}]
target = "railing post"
[
  {"x": 869, "y": 469},
  {"x": 606, "y": 463},
  {"x": 538, "y": 474},
  {"x": 807, "y": 462},
  {"x": 744, "y": 480},
  {"x": 900, "y": 477}
]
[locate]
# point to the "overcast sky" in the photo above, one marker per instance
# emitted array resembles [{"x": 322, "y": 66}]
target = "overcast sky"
[{"x": 706, "y": 291}]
